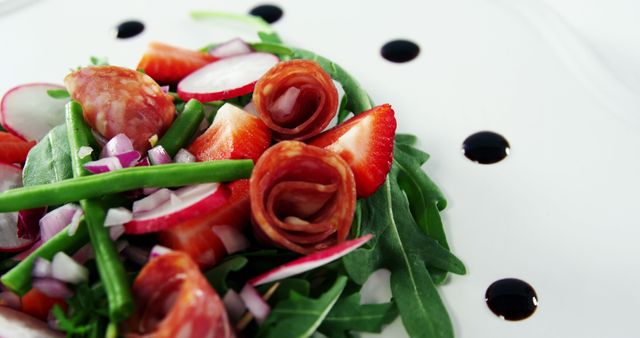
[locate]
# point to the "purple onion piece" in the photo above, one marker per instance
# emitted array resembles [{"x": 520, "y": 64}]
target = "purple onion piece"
[
  {"x": 54, "y": 221},
  {"x": 41, "y": 268},
  {"x": 158, "y": 250},
  {"x": 128, "y": 159},
  {"x": 103, "y": 165},
  {"x": 28, "y": 223},
  {"x": 10, "y": 299},
  {"x": 117, "y": 145},
  {"x": 52, "y": 287},
  {"x": 158, "y": 155},
  {"x": 184, "y": 156}
]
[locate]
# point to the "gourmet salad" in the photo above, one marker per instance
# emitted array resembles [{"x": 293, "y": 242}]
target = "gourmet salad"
[{"x": 222, "y": 192}]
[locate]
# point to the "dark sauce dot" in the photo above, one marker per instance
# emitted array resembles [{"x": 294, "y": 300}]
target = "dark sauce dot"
[
  {"x": 129, "y": 29},
  {"x": 485, "y": 147},
  {"x": 511, "y": 299},
  {"x": 268, "y": 13},
  {"x": 400, "y": 51}
]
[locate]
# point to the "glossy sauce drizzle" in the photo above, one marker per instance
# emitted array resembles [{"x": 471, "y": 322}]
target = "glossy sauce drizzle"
[
  {"x": 400, "y": 51},
  {"x": 129, "y": 29},
  {"x": 486, "y": 147},
  {"x": 268, "y": 13},
  {"x": 511, "y": 299}
]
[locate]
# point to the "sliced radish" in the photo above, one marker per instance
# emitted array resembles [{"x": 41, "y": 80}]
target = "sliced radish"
[
  {"x": 154, "y": 200},
  {"x": 75, "y": 222},
  {"x": 65, "y": 269},
  {"x": 117, "y": 145},
  {"x": 232, "y": 239},
  {"x": 29, "y": 112},
  {"x": 184, "y": 156},
  {"x": 11, "y": 177},
  {"x": 103, "y": 165},
  {"x": 226, "y": 78},
  {"x": 158, "y": 155},
  {"x": 56, "y": 220},
  {"x": 158, "y": 250},
  {"x": 52, "y": 287},
  {"x": 194, "y": 201},
  {"x": 14, "y": 323},
  {"x": 255, "y": 303},
  {"x": 117, "y": 216},
  {"x": 230, "y": 48},
  {"x": 234, "y": 305},
  {"x": 128, "y": 159},
  {"x": 310, "y": 262}
]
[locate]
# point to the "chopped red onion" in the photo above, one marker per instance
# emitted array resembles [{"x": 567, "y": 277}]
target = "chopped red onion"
[
  {"x": 52, "y": 287},
  {"x": 158, "y": 155},
  {"x": 137, "y": 255},
  {"x": 144, "y": 162},
  {"x": 56, "y": 220},
  {"x": 75, "y": 222},
  {"x": 117, "y": 145},
  {"x": 184, "y": 156},
  {"x": 152, "y": 201},
  {"x": 175, "y": 200},
  {"x": 21, "y": 256},
  {"x": 158, "y": 250},
  {"x": 84, "y": 151},
  {"x": 117, "y": 216},
  {"x": 103, "y": 165},
  {"x": 250, "y": 108},
  {"x": 149, "y": 191},
  {"x": 234, "y": 305},
  {"x": 84, "y": 254},
  {"x": 255, "y": 303},
  {"x": 41, "y": 268},
  {"x": 10, "y": 299},
  {"x": 67, "y": 270},
  {"x": 116, "y": 231},
  {"x": 283, "y": 107},
  {"x": 232, "y": 239},
  {"x": 29, "y": 223},
  {"x": 230, "y": 48},
  {"x": 128, "y": 159},
  {"x": 165, "y": 89}
]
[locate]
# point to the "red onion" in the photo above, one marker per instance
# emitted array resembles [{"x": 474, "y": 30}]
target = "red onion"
[
  {"x": 56, "y": 220},
  {"x": 10, "y": 299},
  {"x": 152, "y": 201},
  {"x": 234, "y": 305},
  {"x": 232, "y": 239},
  {"x": 116, "y": 231},
  {"x": 75, "y": 222},
  {"x": 144, "y": 162},
  {"x": 103, "y": 165},
  {"x": 254, "y": 302},
  {"x": 52, "y": 287},
  {"x": 84, "y": 151},
  {"x": 230, "y": 48},
  {"x": 84, "y": 254},
  {"x": 250, "y": 108},
  {"x": 29, "y": 223},
  {"x": 67, "y": 270},
  {"x": 117, "y": 216},
  {"x": 165, "y": 89},
  {"x": 24, "y": 254},
  {"x": 42, "y": 268},
  {"x": 184, "y": 156},
  {"x": 128, "y": 159},
  {"x": 117, "y": 145},
  {"x": 283, "y": 107},
  {"x": 158, "y": 155},
  {"x": 137, "y": 255},
  {"x": 158, "y": 250},
  {"x": 149, "y": 191}
]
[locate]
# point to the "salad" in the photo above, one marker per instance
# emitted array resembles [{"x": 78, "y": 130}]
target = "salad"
[{"x": 223, "y": 192}]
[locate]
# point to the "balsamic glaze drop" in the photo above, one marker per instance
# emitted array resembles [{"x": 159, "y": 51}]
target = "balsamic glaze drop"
[
  {"x": 511, "y": 299},
  {"x": 129, "y": 29},
  {"x": 269, "y": 13},
  {"x": 485, "y": 147},
  {"x": 400, "y": 51}
]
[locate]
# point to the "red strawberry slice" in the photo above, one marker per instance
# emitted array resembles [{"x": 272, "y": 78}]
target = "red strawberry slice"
[
  {"x": 234, "y": 134},
  {"x": 366, "y": 143},
  {"x": 168, "y": 64},
  {"x": 13, "y": 149}
]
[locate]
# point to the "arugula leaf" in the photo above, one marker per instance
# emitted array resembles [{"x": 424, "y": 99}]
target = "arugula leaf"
[
  {"x": 50, "y": 160},
  {"x": 87, "y": 314},
  {"x": 349, "y": 315},
  {"x": 265, "y": 32},
  {"x": 99, "y": 61},
  {"x": 58, "y": 93},
  {"x": 283, "y": 292},
  {"x": 2, "y": 128},
  {"x": 406, "y": 139},
  {"x": 299, "y": 316},
  {"x": 218, "y": 275}
]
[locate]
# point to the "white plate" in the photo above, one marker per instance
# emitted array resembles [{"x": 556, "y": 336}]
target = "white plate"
[{"x": 560, "y": 83}]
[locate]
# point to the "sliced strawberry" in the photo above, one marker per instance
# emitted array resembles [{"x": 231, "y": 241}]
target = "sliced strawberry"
[
  {"x": 168, "y": 64},
  {"x": 195, "y": 236},
  {"x": 366, "y": 143},
  {"x": 234, "y": 134},
  {"x": 13, "y": 149}
]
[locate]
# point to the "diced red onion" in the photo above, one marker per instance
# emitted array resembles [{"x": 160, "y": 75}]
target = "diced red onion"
[
  {"x": 67, "y": 270},
  {"x": 75, "y": 222},
  {"x": 42, "y": 268},
  {"x": 230, "y": 48},
  {"x": 144, "y": 162},
  {"x": 234, "y": 305},
  {"x": 84, "y": 151},
  {"x": 83, "y": 255},
  {"x": 165, "y": 89},
  {"x": 128, "y": 159},
  {"x": 250, "y": 108},
  {"x": 116, "y": 231},
  {"x": 254, "y": 302},
  {"x": 149, "y": 191},
  {"x": 103, "y": 165},
  {"x": 10, "y": 299},
  {"x": 56, "y": 220},
  {"x": 29, "y": 223},
  {"x": 21, "y": 256},
  {"x": 283, "y": 107},
  {"x": 184, "y": 156},
  {"x": 232, "y": 239},
  {"x": 52, "y": 287},
  {"x": 137, "y": 255},
  {"x": 152, "y": 201},
  {"x": 117, "y": 145},
  {"x": 117, "y": 216},
  {"x": 194, "y": 190},
  {"x": 158, "y": 250},
  {"x": 158, "y": 155}
]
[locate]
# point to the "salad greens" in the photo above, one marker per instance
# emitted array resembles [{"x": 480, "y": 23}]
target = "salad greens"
[
  {"x": 49, "y": 161},
  {"x": 349, "y": 315}
]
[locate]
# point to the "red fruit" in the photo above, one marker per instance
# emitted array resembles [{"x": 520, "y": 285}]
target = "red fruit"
[
  {"x": 13, "y": 149},
  {"x": 38, "y": 304},
  {"x": 234, "y": 134},
  {"x": 365, "y": 142},
  {"x": 168, "y": 65}
]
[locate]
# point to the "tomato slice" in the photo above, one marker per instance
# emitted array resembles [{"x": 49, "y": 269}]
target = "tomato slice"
[
  {"x": 13, "y": 148},
  {"x": 38, "y": 304}
]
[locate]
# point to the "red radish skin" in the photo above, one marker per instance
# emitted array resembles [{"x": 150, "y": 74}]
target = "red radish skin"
[
  {"x": 311, "y": 261},
  {"x": 226, "y": 78},
  {"x": 11, "y": 177},
  {"x": 17, "y": 324},
  {"x": 28, "y": 112},
  {"x": 230, "y": 48}
]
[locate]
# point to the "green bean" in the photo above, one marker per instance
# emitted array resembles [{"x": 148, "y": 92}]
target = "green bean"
[
  {"x": 110, "y": 267},
  {"x": 182, "y": 128},
  {"x": 18, "y": 279},
  {"x": 166, "y": 175}
]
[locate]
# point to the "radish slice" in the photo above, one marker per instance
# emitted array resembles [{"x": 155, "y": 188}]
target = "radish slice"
[
  {"x": 226, "y": 78},
  {"x": 75, "y": 222},
  {"x": 232, "y": 239},
  {"x": 158, "y": 155},
  {"x": 10, "y": 299},
  {"x": 117, "y": 145},
  {"x": 29, "y": 223},
  {"x": 42, "y": 268},
  {"x": 17, "y": 324},
  {"x": 230, "y": 48},
  {"x": 29, "y": 112},
  {"x": 117, "y": 216},
  {"x": 56, "y": 220},
  {"x": 65, "y": 269},
  {"x": 184, "y": 156},
  {"x": 11, "y": 177},
  {"x": 191, "y": 202},
  {"x": 234, "y": 305},
  {"x": 310, "y": 262},
  {"x": 158, "y": 250},
  {"x": 52, "y": 287},
  {"x": 152, "y": 201},
  {"x": 103, "y": 165},
  {"x": 254, "y": 302}
]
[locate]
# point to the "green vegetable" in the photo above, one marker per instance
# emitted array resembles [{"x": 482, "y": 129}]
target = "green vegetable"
[
  {"x": 265, "y": 32},
  {"x": 299, "y": 316},
  {"x": 218, "y": 275},
  {"x": 99, "y": 61},
  {"x": 49, "y": 161},
  {"x": 58, "y": 93},
  {"x": 183, "y": 128},
  {"x": 349, "y": 315},
  {"x": 87, "y": 309},
  {"x": 2, "y": 128},
  {"x": 18, "y": 279},
  {"x": 108, "y": 261},
  {"x": 166, "y": 175}
]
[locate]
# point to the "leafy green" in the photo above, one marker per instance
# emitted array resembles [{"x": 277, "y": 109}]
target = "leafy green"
[
  {"x": 58, "y": 93},
  {"x": 87, "y": 314},
  {"x": 265, "y": 32},
  {"x": 283, "y": 292},
  {"x": 406, "y": 139},
  {"x": 218, "y": 275},
  {"x": 343, "y": 112},
  {"x": 99, "y": 61},
  {"x": 299, "y": 316},
  {"x": 349, "y": 315},
  {"x": 50, "y": 160},
  {"x": 2, "y": 128}
]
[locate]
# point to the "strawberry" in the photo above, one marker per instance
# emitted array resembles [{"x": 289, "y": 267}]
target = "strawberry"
[
  {"x": 13, "y": 149},
  {"x": 195, "y": 236},
  {"x": 366, "y": 143},
  {"x": 168, "y": 65},
  {"x": 234, "y": 134}
]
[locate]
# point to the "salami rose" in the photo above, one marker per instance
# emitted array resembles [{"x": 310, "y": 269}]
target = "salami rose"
[
  {"x": 296, "y": 99},
  {"x": 302, "y": 197},
  {"x": 119, "y": 100},
  {"x": 173, "y": 299}
]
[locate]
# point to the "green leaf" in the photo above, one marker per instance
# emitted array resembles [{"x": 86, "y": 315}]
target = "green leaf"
[
  {"x": 343, "y": 113},
  {"x": 406, "y": 139},
  {"x": 349, "y": 315},
  {"x": 283, "y": 292},
  {"x": 58, "y": 93},
  {"x": 299, "y": 316},
  {"x": 99, "y": 61},
  {"x": 218, "y": 275},
  {"x": 418, "y": 155},
  {"x": 50, "y": 160},
  {"x": 2, "y": 128}
]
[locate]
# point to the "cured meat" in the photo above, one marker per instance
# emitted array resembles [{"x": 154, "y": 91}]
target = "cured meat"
[
  {"x": 173, "y": 299},
  {"x": 302, "y": 197},
  {"x": 296, "y": 99},
  {"x": 120, "y": 100}
]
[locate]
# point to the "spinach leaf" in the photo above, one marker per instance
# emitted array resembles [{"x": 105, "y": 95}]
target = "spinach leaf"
[
  {"x": 50, "y": 160},
  {"x": 299, "y": 316},
  {"x": 349, "y": 315},
  {"x": 218, "y": 275}
]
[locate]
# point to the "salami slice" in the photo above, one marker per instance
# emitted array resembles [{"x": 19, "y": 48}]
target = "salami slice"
[
  {"x": 302, "y": 197},
  {"x": 173, "y": 299},
  {"x": 120, "y": 100},
  {"x": 296, "y": 99}
]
